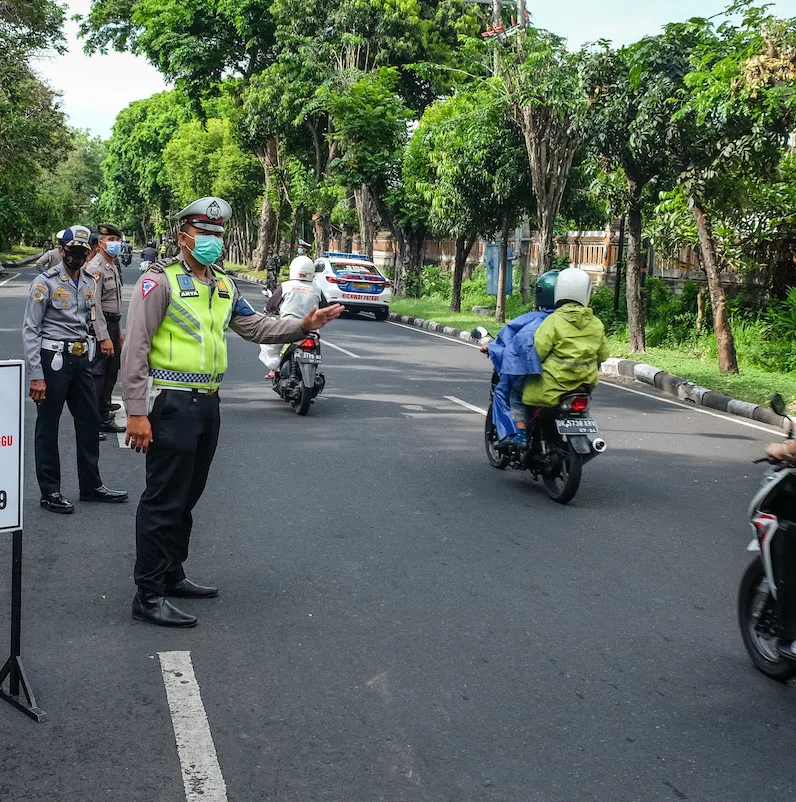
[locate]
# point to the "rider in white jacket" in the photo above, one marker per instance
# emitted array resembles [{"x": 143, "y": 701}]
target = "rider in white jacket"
[{"x": 293, "y": 298}]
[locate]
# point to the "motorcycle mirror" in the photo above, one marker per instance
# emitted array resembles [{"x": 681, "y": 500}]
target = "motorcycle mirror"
[
  {"x": 479, "y": 333},
  {"x": 779, "y": 406}
]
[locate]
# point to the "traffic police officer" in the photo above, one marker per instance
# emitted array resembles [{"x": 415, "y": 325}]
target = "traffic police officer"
[
  {"x": 173, "y": 362},
  {"x": 61, "y": 305},
  {"x": 105, "y": 366}
]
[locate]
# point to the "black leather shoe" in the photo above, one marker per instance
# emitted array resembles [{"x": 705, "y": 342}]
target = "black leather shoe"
[
  {"x": 156, "y": 610},
  {"x": 103, "y": 436},
  {"x": 55, "y": 502},
  {"x": 111, "y": 426},
  {"x": 188, "y": 590},
  {"x": 114, "y": 407},
  {"x": 102, "y": 493}
]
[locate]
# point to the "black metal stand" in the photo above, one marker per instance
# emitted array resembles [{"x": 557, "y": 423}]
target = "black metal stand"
[{"x": 13, "y": 670}]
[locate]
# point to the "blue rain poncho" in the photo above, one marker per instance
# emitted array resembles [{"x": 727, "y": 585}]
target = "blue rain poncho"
[{"x": 514, "y": 358}]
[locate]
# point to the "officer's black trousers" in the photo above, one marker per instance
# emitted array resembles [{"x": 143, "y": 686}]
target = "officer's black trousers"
[
  {"x": 73, "y": 385},
  {"x": 185, "y": 428},
  {"x": 106, "y": 369}
]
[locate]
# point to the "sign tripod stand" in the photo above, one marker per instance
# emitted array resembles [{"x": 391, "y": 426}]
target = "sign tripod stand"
[{"x": 12, "y": 374}]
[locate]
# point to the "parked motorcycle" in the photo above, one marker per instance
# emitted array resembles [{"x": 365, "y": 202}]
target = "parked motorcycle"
[
  {"x": 559, "y": 445},
  {"x": 758, "y": 609},
  {"x": 298, "y": 379}
]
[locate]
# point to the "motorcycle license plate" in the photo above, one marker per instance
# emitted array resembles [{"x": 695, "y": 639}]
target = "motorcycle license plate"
[
  {"x": 576, "y": 426},
  {"x": 313, "y": 359},
  {"x": 358, "y": 285}
]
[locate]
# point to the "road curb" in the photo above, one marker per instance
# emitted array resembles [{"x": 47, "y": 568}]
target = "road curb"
[
  {"x": 245, "y": 277},
  {"x": 667, "y": 383},
  {"x": 21, "y": 263}
]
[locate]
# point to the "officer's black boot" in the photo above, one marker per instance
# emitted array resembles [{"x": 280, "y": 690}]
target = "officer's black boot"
[
  {"x": 55, "y": 502},
  {"x": 156, "y": 610},
  {"x": 109, "y": 424}
]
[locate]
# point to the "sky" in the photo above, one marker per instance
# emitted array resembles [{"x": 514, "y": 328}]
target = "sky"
[{"x": 96, "y": 88}]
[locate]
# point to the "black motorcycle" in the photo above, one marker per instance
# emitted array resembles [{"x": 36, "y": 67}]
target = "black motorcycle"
[
  {"x": 298, "y": 380},
  {"x": 559, "y": 445}
]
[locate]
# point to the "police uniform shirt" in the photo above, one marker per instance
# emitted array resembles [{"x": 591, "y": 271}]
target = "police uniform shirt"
[
  {"x": 57, "y": 310},
  {"x": 151, "y": 297},
  {"x": 50, "y": 259},
  {"x": 107, "y": 277}
]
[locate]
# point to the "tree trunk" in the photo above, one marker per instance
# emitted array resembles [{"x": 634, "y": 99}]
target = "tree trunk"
[
  {"x": 525, "y": 264},
  {"x": 500, "y": 309},
  {"x": 728, "y": 359},
  {"x": 348, "y": 230},
  {"x": 268, "y": 221},
  {"x": 544, "y": 259},
  {"x": 366, "y": 212},
  {"x": 700, "y": 320},
  {"x": 635, "y": 306},
  {"x": 464, "y": 244},
  {"x": 323, "y": 233},
  {"x": 294, "y": 232}
]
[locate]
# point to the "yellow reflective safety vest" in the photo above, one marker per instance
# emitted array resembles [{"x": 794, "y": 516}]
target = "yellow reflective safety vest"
[{"x": 190, "y": 349}]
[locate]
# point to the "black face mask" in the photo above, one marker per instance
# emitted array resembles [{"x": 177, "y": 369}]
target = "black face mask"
[{"x": 75, "y": 259}]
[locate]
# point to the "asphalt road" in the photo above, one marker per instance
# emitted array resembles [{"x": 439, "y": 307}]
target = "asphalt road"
[{"x": 398, "y": 621}]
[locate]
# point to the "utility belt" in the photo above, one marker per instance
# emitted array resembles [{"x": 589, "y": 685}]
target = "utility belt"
[
  {"x": 87, "y": 348},
  {"x": 154, "y": 390}
]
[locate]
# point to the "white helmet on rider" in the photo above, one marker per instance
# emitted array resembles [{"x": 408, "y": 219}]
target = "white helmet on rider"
[
  {"x": 573, "y": 284},
  {"x": 302, "y": 268}
]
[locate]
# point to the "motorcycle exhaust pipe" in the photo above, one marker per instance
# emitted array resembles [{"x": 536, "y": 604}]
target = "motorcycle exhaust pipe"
[{"x": 598, "y": 446}]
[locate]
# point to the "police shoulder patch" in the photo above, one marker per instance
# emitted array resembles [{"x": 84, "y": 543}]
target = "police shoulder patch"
[
  {"x": 147, "y": 285},
  {"x": 53, "y": 271},
  {"x": 97, "y": 275}
]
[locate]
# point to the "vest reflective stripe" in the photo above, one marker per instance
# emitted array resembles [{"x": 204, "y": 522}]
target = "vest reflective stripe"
[{"x": 189, "y": 349}]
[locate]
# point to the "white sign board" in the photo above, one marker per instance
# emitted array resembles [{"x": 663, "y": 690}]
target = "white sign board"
[{"x": 12, "y": 425}]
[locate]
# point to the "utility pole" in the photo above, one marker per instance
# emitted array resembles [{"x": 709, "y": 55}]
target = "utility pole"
[{"x": 496, "y": 24}]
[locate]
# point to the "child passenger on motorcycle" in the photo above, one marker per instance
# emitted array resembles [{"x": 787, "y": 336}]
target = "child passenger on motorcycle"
[
  {"x": 571, "y": 344},
  {"x": 294, "y": 298},
  {"x": 514, "y": 358}
]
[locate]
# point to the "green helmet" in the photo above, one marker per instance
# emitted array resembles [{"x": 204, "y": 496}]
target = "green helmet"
[{"x": 546, "y": 290}]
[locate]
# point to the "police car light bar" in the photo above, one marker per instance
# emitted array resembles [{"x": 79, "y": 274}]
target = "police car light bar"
[{"x": 341, "y": 255}]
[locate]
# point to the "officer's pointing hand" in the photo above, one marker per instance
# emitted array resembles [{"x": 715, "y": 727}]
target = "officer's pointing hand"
[
  {"x": 139, "y": 433},
  {"x": 38, "y": 390},
  {"x": 106, "y": 346},
  {"x": 317, "y": 318}
]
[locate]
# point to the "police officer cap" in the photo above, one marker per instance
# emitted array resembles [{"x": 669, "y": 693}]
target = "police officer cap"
[
  {"x": 60, "y": 235},
  {"x": 206, "y": 214},
  {"x": 94, "y": 238},
  {"x": 77, "y": 237},
  {"x": 109, "y": 230}
]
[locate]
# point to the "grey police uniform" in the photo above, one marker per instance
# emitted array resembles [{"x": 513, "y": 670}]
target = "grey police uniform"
[{"x": 57, "y": 342}]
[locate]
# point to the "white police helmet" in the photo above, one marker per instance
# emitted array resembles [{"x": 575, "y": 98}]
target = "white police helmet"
[
  {"x": 302, "y": 269},
  {"x": 573, "y": 284}
]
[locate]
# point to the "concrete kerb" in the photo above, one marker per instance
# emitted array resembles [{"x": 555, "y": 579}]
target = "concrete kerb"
[{"x": 669, "y": 384}]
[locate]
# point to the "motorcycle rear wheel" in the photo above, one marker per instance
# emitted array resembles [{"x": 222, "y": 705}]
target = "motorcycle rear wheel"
[
  {"x": 496, "y": 459},
  {"x": 562, "y": 484},
  {"x": 755, "y": 600},
  {"x": 301, "y": 405}
]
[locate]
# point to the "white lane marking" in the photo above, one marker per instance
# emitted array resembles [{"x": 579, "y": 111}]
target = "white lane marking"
[
  {"x": 10, "y": 278},
  {"x": 342, "y": 350},
  {"x": 121, "y": 419},
  {"x": 201, "y": 773},
  {"x": 464, "y": 404},
  {"x": 694, "y": 408},
  {"x": 432, "y": 334}
]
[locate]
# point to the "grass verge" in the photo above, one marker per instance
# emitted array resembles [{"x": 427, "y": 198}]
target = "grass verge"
[
  {"x": 18, "y": 252},
  {"x": 751, "y": 384}
]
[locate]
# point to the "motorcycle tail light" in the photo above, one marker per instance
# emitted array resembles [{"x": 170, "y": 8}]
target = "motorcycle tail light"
[
  {"x": 308, "y": 344},
  {"x": 580, "y": 403}
]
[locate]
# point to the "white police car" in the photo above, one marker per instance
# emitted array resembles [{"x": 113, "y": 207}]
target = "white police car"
[{"x": 351, "y": 279}]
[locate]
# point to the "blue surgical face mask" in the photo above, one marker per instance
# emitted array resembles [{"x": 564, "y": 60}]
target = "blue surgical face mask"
[
  {"x": 207, "y": 248},
  {"x": 113, "y": 248}
]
